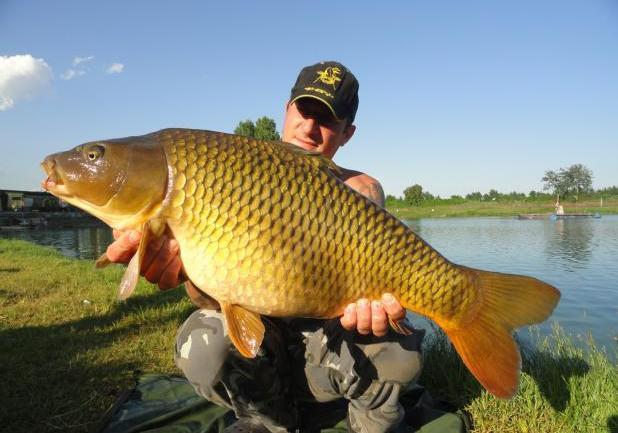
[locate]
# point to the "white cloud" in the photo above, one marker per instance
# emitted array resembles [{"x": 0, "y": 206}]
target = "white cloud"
[
  {"x": 22, "y": 77},
  {"x": 71, "y": 73},
  {"x": 78, "y": 60},
  {"x": 115, "y": 68}
]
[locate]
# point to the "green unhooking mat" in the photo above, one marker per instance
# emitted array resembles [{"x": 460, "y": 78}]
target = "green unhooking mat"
[{"x": 168, "y": 404}]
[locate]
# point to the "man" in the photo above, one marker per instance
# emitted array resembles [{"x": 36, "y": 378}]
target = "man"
[{"x": 305, "y": 367}]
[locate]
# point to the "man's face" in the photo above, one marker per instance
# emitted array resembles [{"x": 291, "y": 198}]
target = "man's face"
[{"x": 311, "y": 125}]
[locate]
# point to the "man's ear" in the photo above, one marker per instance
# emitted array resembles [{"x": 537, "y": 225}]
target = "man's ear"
[{"x": 348, "y": 133}]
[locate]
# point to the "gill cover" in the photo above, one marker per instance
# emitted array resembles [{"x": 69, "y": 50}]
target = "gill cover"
[{"x": 121, "y": 181}]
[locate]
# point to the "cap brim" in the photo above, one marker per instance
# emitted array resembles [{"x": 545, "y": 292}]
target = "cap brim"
[{"x": 330, "y": 107}]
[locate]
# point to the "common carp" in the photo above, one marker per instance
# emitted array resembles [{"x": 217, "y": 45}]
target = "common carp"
[{"x": 267, "y": 228}]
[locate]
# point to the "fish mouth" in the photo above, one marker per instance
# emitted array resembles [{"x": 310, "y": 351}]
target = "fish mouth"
[{"x": 53, "y": 183}]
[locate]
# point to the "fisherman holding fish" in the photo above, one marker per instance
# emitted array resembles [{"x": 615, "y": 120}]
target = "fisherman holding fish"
[
  {"x": 272, "y": 242},
  {"x": 306, "y": 368}
]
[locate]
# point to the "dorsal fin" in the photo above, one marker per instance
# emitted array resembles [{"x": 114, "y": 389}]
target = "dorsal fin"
[{"x": 320, "y": 160}]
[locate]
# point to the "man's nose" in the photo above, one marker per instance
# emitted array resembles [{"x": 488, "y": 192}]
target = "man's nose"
[{"x": 309, "y": 125}]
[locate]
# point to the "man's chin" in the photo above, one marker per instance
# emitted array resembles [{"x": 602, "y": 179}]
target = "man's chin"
[{"x": 306, "y": 146}]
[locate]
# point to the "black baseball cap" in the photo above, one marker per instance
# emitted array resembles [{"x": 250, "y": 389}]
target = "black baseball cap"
[{"x": 331, "y": 83}]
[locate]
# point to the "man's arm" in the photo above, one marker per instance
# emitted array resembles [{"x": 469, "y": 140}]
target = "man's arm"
[{"x": 364, "y": 184}]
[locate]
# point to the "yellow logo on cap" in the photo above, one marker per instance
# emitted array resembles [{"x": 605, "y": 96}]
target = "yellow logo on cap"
[
  {"x": 329, "y": 75},
  {"x": 321, "y": 91}
]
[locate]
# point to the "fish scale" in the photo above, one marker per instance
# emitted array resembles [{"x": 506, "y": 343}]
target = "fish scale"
[
  {"x": 268, "y": 228},
  {"x": 238, "y": 166}
]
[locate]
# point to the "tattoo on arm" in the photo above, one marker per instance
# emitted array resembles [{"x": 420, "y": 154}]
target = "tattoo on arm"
[{"x": 374, "y": 192}]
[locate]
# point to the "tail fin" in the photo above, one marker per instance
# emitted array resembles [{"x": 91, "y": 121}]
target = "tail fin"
[{"x": 485, "y": 341}]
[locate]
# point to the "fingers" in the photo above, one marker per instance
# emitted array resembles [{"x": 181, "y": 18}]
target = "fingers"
[
  {"x": 372, "y": 318},
  {"x": 392, "y": 307},
  {"x": 348, "y": 320},
  {"x": 363, "y": 317},
  {"x": 379, "y": 321},
  {"x": 117, "y": 233},
  {"x": 154, "y": 249},
  {"x": 125, "y": 245},
  {"x": 162, "y": 266},
  {"x": 357, "y": 316},
  {"x": 170, "y": 277}
]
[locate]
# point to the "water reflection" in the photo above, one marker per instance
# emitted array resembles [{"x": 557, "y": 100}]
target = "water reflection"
[
  {"x": 570, "y": 244},
  {"x": 576, "y": 256},
  {"x": 82, "y": 243}
]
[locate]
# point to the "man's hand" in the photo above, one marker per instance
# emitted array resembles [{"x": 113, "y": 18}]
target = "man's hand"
[
  {"x": 372, "y": 317},
  {"x": 161, "y": 264}
]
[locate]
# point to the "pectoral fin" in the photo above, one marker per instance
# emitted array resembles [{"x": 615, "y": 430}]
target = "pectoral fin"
[
  {"x": 131, "y": 275},
  {"x": 129, "y": 279},
  {"x": 244, "y": 327}
]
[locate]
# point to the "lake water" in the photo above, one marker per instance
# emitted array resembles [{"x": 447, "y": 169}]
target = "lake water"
[{"x": 580, "y": 257}]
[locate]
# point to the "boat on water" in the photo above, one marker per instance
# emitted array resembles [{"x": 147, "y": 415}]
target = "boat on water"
[
  {"x": 534, "y": 216},
  {"x": 566, "y": 216},
  {"x": 554, "y": 216},
  {"x": 559, "y": 214}
]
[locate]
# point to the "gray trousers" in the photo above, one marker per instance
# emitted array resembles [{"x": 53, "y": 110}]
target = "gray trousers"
[{"x": 307, "y": 375}]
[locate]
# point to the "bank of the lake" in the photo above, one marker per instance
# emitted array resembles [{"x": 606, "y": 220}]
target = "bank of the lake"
[
  {"x": 499, "y": 208},
  {"x": 67, "y": 348}
]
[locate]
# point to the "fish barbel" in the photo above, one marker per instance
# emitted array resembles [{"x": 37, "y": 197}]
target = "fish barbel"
[{"x": 266, "y": 228}]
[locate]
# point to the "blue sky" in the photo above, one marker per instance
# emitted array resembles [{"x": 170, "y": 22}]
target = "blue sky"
[{"x": 456, "y": 96}]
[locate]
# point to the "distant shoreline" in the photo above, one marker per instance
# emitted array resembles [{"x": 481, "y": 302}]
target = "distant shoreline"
[
  {"x": 498, "y": 209},
  {"x": 24, "y": 220},
  {"x": 42, "y": 219}
]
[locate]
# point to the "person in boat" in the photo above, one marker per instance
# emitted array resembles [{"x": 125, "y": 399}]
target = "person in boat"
[{"x": 559, "y": 208}]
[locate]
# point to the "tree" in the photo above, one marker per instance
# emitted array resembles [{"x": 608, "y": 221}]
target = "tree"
[
  {"x": 492, "y": 195},
  {"x": 246, "y": 128},
  {"x": 428, "y": 196},
  {"x": 476, "y": 196},
  {"x": 264, "y": 128},
  {"x": 391, "y": 200},
  {"x": 516, "y": 196},
  {"x": 574, "y": 180},
  {"x": 413, "y": 195},
  {"x": 580, "y": 177}
]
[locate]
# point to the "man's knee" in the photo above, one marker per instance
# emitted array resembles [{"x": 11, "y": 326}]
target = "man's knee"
[
  {"x": 343, "y": 364},
  {"x": 396, "y": 361},
  {"x": 202, "y": 347}
]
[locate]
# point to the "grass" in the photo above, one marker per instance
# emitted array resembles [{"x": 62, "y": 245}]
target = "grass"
[
  {"x": 500, "y": 209},
  {"x": 68, "y": 348},
  {"x": 563, "y": 388}
]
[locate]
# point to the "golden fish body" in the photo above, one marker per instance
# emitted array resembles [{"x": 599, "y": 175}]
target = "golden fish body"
[
  {"x": 271, "y": 228},
  {"x": 268, "y": 228}
]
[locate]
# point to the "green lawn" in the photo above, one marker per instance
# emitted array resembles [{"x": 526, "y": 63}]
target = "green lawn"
[
  {"x": 499, "y": 209},
  {"x": 67, "y": 348}
]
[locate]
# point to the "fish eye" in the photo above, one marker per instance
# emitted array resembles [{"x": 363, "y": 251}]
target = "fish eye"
[{"x": 94, "y": 152}]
